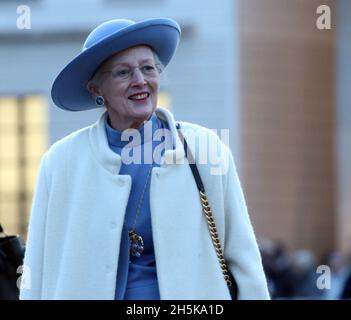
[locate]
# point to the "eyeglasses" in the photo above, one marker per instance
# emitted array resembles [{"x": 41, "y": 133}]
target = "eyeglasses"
[{"x": 125, "y": 73}]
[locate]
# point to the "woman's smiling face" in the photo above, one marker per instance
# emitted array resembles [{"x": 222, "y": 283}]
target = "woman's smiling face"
[{"x": 129, "y": 82}]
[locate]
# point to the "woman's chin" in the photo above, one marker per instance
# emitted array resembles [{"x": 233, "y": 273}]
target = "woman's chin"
[{"x": 143, "y": 112}]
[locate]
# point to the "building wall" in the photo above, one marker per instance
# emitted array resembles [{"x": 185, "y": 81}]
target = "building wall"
[
  {"x": 288, "y": 115},
  {"x": 343, "y": 138}
]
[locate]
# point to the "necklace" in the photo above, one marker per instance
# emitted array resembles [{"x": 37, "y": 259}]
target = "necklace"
[{"x": 136, "y": 240}]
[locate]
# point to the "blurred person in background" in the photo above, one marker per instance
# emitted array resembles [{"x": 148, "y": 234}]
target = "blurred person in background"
[
  {"x": 304, "y": 276},
  {"x": 11, "y": 258},
  {"x": 102, "y": 227},
  {"x": 276, "y": 264},
  {"x": 346, "y": 290},
  {"x": 338, "y": 273}
]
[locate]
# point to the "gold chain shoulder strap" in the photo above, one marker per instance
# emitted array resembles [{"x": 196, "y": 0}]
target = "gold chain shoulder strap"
[{"x": 215, "y": 238}]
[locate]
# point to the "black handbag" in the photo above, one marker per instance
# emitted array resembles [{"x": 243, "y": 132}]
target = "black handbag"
[
  {"x": 11, "y": 258},
  {"x": 228, "y": 276}
]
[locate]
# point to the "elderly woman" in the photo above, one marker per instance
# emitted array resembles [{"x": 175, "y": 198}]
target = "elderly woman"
[{"x": 110, "y": 222}]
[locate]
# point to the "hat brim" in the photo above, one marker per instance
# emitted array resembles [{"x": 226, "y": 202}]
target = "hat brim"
[{"x": 69, "y": 90}]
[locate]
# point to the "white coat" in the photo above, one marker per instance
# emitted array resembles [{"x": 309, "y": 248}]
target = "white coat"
[{"x": 78, "y": 210}]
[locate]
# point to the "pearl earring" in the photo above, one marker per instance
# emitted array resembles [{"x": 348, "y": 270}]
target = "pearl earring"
[{"x": 100, "y": 101}]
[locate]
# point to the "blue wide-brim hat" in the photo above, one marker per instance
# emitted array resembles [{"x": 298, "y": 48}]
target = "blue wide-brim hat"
[{"x": 69, "y": 90}]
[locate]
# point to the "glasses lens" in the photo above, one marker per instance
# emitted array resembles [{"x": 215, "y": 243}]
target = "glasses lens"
[
  {"x": 120, "y": 73},
  {"x": 123, "y": 73}
]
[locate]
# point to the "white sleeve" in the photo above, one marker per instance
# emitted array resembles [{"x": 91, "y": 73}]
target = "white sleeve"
[
  {"x": 32, "y": 277},
  {"x": 240, "y": 249}
]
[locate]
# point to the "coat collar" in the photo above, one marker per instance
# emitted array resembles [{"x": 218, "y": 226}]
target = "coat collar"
[{"x": 112, "y": 161}]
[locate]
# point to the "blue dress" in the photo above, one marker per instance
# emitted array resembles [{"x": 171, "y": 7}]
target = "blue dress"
[{"x": 137, "y": 276}]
